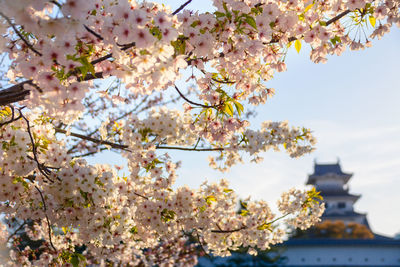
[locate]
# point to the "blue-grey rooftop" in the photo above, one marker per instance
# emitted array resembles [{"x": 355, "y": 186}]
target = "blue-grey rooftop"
[
  {"x": 322, "y": 169},
  {"x": 377, "y": 241}
]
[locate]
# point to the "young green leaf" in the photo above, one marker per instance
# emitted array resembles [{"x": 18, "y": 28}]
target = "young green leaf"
[
  {"x": 251, "y": 21},
  {"x": 372, "y": 20},
  {"x": 297, "y": 45}
]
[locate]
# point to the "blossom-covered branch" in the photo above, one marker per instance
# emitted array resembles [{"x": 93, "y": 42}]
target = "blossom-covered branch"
[{"x": 104, "y": 68}]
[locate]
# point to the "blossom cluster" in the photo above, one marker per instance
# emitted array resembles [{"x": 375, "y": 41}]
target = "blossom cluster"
[
  {"x": 230, "y": 137},
  {"x": 240, "y": 45},
  {"x": 56, "y": 50},
  {"x": 116, "y": 215}
]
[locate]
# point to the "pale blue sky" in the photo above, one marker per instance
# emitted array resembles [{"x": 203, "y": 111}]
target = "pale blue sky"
[{"x": 352, "y": 104}]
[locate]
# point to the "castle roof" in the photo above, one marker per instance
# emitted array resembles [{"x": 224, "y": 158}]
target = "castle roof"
[
  {"x": 321, "y": 170},
  {"x": 378, "y": 240}
]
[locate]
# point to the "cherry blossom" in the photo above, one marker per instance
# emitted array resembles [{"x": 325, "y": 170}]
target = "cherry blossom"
[{"x": 55, "y": 113}]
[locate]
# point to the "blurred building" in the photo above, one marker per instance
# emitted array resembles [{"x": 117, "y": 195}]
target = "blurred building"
[{"x": 344, "y": 237}]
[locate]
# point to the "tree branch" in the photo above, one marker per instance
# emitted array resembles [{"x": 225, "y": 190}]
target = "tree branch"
[
  {"x": 341, "y": 15},
  {"x": 47, "y": 218},
  {"x": 332, "y": 20},
  {"x": 12, "y": 117},
  {"x": 29, "y": 45},
  {"x": 181, "y": 7},
  {"x": 43, "y": 170},
  {"x": 126, "y": 148},
  {"x": 98, "y": 36},
  {"x": 190, "y": 149},
  {"x": 194, "y": 103},
  {"x": 14, "y": 93},
  {"x": 16, "y": 231},
  {"x": 94, "y": 140},
  {"x": 229, "y": 231}
]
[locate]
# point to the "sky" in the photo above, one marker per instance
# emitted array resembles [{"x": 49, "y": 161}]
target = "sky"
[{"x": 352, "y": 105}]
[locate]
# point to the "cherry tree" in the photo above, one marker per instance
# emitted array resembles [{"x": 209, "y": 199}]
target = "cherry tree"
[{"x": 89, "y": 75}]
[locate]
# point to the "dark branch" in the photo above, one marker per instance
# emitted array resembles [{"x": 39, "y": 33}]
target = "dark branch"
[
  {"x": 194, "y": 103},
  {"x": 16, "y": 231},
  {"x": 139, "y": 195},
  {"x": 13, "y": 118},
  {"x": 332, "y": 20},
  {"x": 190, "y": 149},
  {"x": 126, "y": 148},
  {"x": 98, "y": 36},
  {"x": 29, "y": 45},
  {"x": 124, "y": 47},
  {"x": 181, "y": 7},
  {"x": 229, "y": 231},
  {"x": 94, "y": 140},
  {"x": 47, "y": 218},
  {"x": 43, "y": 170},
  {"x": 56, "y": 3},
  {"x": 226, "y": 81},
  {"x": 341, "y": 15},
  {"x": 14, "y": 93}
]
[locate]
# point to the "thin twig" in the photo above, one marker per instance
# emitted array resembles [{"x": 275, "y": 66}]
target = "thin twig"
[
  {"x": 332, "y": 20},
  {"x": 229, "y": 231},
  {"x": 124, "y": 47},
  {"x": 98, "y": 36},
  {"x": 190, "y": 149},
  {"x": 181, "y": 7},
  {"x": 16, "y": 231},
  {"x": 56, "y": 3},
  {"x": 223, "y": 81},
  {"x": 12, "y": 117},
  {"x": 47, "y": 218},
  {"x": 201, "y": 245},
  {"x": 29, "y": 45},
  {"x": 43, "y": 170},
  {"x": 126, "y": 148},
  {"x": 94, "y": 140},
  {"x": 194, "y": 103},
  {"x": 139, "y": 195},
  {"x": 341, "y": 15}
]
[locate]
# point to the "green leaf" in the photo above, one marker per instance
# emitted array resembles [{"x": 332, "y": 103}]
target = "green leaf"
[
  {"x": 133, "y": 230},
  {"x": 219, "y": 14},
  {"x": 272, "y": 24},
  {"x": 195, "y": 23},
  {"x": 265, "y": 226},
  {"x": 372, "y": 20},
  {"x": 225, "y": 7},
  {"x": 210, "y": 199},
  {"x": 167, "y": 215},
  {"x": 244, "y": 212},
  {"x": 228, "y": 14},
  {"x": 156, "y": 32},
  {"x": 228, "y": 109},
  {"x": 251, "y": 21},
  {"x": 75, "y": 261},
  {"x": 239, "y": 107},
  {"x": 297, "y": 45},
  {"x": 336, "y": 40},
  {"x": 308, "y": 7}
]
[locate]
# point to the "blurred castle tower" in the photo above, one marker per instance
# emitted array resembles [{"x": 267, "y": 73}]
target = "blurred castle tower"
[
  {"x": 316, "y": 251},
  {"x": 331, "y": 181}
]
